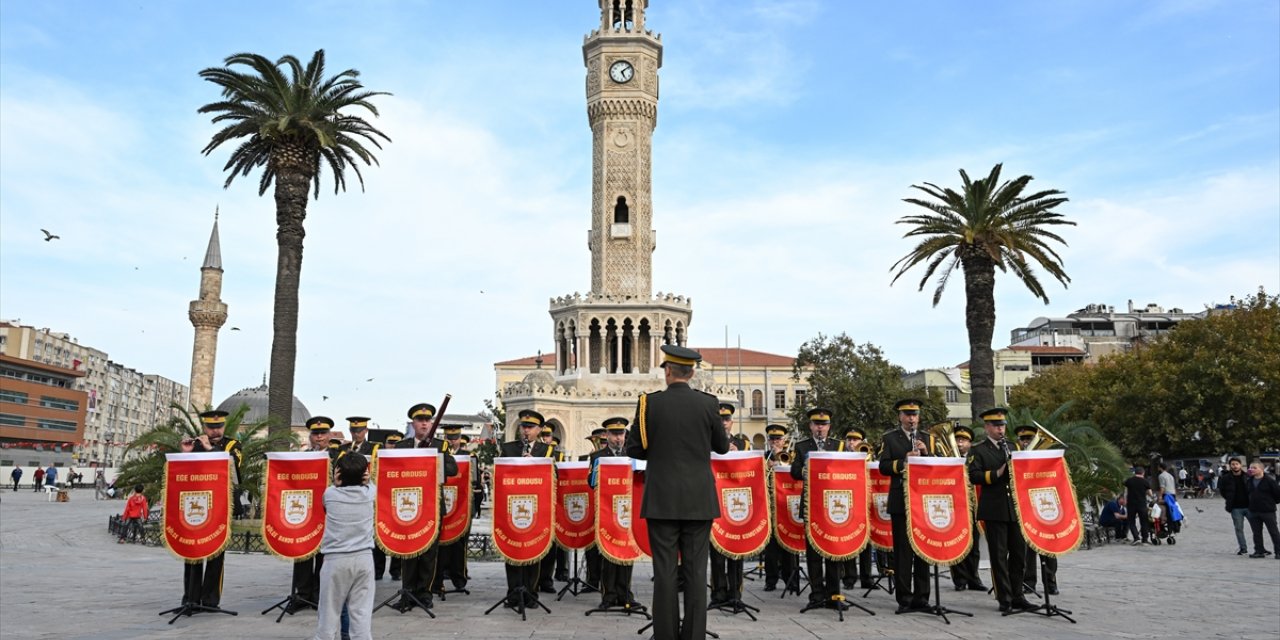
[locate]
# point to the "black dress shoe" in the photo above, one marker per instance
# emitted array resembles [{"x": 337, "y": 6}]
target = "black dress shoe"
[
  {"x": 904, "y": 608},
  {"x": 1258, "y": 555},
  {"x": 1242, "y": 552},
  {"x": 961, "y": 587},
  {"x": 920, "y": 606},
  {"x": 849, "y": 584},
  {"x": 977, "y": 586},
  {"x": 1053, "y": 591},
  {"x": 562, "y": 577},
  {"x": 1021, "y": 604},
  {"x": 1004, "y": 607},
  {"x": 377, "y": 576},
  {"x": 546, "y": 588},
  {"x": 867, "y": 584},
  {"x": 771, "y": 587}
]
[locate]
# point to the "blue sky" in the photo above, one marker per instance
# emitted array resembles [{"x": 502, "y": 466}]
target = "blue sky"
[{"x": 788, "y": 134}]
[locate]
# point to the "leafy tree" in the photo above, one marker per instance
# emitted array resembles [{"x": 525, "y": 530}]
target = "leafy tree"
[
  {"x": 1207, "y": 387},
  {"x": 255, "y": 441},
  {"x": 987, "y": 225},
  {"x": 859, "y": 385},
  {"x": 287, "y": 126},
  {"x": 1096, "y": 465}
]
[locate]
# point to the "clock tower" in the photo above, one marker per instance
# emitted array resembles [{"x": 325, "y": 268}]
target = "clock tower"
[{"x": 622, "y": 59}]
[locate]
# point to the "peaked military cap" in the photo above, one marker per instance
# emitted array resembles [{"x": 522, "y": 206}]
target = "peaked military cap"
[
  {"x": 546, "y": 430},
  {"x": 907, "y": 405},
  {"x": 819, "y": 415},
  {"x": 466, "y": 439},
  {"x": 616, "y": 424},
  {"x": 320, "y": 424},
  {"x": 596, "y": 434},
  {"x": 995, "y": 415},
  {"x": 531, "y": 418},
  {"x": 452, "y": 431},
  {"x": 775, "y": 431},
  {"x": 962, "y": 431},
  {"x": 1026, "y": 431},
  {"x": 421, "y": 410},
  {"x": 726, "y": 409},
  {"x": 679, "y": 355},
  {"x": 357, "y": 422},
  {"x": 214, "y": 419},
  {"x": 394, "y": 438},
  {"x": 854, "y": 432}
]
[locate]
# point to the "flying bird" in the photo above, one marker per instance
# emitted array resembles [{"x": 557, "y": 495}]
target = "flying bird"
[
  {"x": 324, "y": 398},
  {"x": 235, "y": 328},
  {"x": 369, "y": 380},
  {"x": 49, "y": 236}
]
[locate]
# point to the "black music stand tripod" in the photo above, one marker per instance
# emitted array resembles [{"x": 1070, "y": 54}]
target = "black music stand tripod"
[
  {"x": 522, "y": 594},
  {"x": 1048, "y": 609},
  {"x": 576, "y": 585},
  {"x": 883, "y": 573},
  {"x": 840, "y": 601},
  {"x": 793, "y": 578},
  {"x": 734, "y": 605},
  {"x": 936, "y": 609},
  {"x": 192, "y": 608},
  {"x": 407, "y": 602},
  {"x": 290, "y": 604}
]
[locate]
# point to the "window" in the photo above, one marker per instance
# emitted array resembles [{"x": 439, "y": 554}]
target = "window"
[
  {"x": 10, "y": 420},
  {"x": 953, "y": 396},
  {"x": 802, "y": 397},
  {"x": 16, "y": 397},
  {"x": 59, "y": 403},
  {"x": 57, "y": 425},
  {"x": 621, "y": 212},
  {"x": 779, "y": 398},
  {"x": 757, "y": 402}
]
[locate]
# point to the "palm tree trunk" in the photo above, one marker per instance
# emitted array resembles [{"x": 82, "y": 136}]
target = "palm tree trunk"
[
  {"x": 291, "y": 210},
  {"x": 980, "y": 320}
]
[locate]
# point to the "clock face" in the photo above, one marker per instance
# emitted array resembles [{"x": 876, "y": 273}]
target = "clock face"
[{"x": 621, "y": 71}]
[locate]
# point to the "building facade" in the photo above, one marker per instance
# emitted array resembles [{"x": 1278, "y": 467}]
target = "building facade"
[{"x": 1098, "y": 330}]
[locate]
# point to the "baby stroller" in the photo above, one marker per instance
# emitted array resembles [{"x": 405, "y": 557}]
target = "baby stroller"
[{"x": 1166, "y": 520}]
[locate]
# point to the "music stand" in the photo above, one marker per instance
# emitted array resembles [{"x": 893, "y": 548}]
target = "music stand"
[
  {"x": 636, "y": 609},
  {"x": 936, "y": 608},
  {"x": 407, "y": 602},
  {"x": 756, "y": 571},
  {"x": 521, "y": 593},
  {"x": 735, "y": 605},
  {"x": 883, "y": 573},
  {"x": 841, "y": 601},
  {"x": 793, "y": 578},
  {"x": 576, "y": 585},
  {"x": 288, "y": 603},
  {"x": 192, "y": 608},
  {"x": 1048, "y": 609}
]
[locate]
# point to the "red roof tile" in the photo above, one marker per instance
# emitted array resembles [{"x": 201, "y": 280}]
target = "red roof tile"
[{"x": 716, "y": 356}]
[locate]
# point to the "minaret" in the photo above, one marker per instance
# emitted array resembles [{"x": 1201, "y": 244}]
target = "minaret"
[{"x": 207, "y": 313}]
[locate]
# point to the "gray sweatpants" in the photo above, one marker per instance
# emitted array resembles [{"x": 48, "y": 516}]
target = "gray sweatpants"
[{"x": 346, "y": 578}]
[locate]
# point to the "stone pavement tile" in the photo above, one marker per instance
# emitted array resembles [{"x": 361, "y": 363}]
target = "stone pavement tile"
[{"x": 63, "y": 576}]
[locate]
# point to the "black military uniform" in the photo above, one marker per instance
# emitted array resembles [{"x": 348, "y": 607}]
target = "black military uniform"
[
  {"x": 418, "y": 572},
  {"x": 1026, "y": 434},
  {"x": 360, "y": 425},
  {"x": 592, "y": 555},
  {"x": 857, "y": 568},
  {"x": 910, "y": 572},
  {"x": 988, "y": 466},
  {"x": 615, "y": 579},
  {"x": 395, "y": 564},
  {"x": 306, "y": 572},
  {"x": 676, "y": 430},
  {"x": 726, "y": 573},
  {"x": 778, "y": 562},
  {"x": 824, "y": 575},
  {"x": 525, "y": 576},
  {"x": 202, "y": 581},
  {"x": 556, "y": 562},
  {"x": 964, "y": 575},
  {"x": 452, "y": 559}
]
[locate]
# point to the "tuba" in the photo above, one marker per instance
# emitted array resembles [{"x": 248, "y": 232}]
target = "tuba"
[
  {"x": 1044, "y": 439},
  {"x": 944, "y": 439}
]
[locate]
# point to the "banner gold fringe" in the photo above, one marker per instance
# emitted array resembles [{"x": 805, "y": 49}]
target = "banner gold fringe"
[
  {"x": 808, "y": 507},
  {"x": 164, "y": 500},
  {"x": 768, "y": 500},
  {"x": 968, "y": 544},
  {"x": 262, "y": 530},
  {"x": 1071, "y": 486}
]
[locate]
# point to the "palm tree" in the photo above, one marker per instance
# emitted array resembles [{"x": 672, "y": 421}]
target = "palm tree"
[
  {"x": 988, "y": 225},
  {"x": 287, "y": 126}
]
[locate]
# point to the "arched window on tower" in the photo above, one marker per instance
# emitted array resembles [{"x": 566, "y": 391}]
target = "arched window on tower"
[
  {"x": 621, "y": 213},
  {"x": 622, "y": 14}
]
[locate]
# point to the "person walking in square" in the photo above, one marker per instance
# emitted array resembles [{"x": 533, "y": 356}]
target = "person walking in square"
[
  {"x": 1235, "y": 494},
  {"x": 16, "y": 475},
  {"x": 135, "y": 513},
  {"x": 37, "y": 479},
  {"x": 1264, "y": 493},
  {"x": 675, "y": 431}
]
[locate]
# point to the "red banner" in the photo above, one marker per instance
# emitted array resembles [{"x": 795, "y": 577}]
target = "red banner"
[
  {"x": 524, "y": 497},
  {"x": 293, "y": 503},
  {"x": 616, "y": 510},
  {"x": 1046, "y": 502},
  {"x": 639, "y": 526},
  {"x": 881, "y": 526},
  {"x": 788, "y": 520},
  {"x": 939, "y": 515},
  {"x": 456, "y": 495},
  {"x": 575, "y": 506},
  {"x": 197, "y": 504},
  {"x": 407, "y": 511},
  {"x": 743, "y": 526},
  {"x": 836, "y": 503}
]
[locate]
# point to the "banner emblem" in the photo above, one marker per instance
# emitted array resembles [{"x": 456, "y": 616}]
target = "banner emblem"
[
  {"x": 195, "y": 507},
  {"x": 938, "y": 522},
  {"x": 450, "y": 495},
  {"x": 793, "y": 506},
  {"x": 408, "y": 502},
  {"x": 1048, "y": 506},
  {"x": 939, "y": 509},
  {"x": 837, "y": 504},
  {"x": 738, "y": 503},
  {"x": 881, "y": 501},
  {"x": 575, "y": 507},
  {"x": 622, "y": 511},
  {"x": 522, "y": 509},
  {"x": 295, "y": 505}
]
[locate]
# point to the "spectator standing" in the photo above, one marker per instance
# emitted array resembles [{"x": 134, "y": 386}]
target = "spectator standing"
[
  {"x": 346, "y": 577},
  {"x": 135, "y": 512},
  {"x": 37, "y": 480},
  {"x": 1236, "y": 499},
  {"x": 16, "y": 474},
  {"x": 51, "y": 477},
  {"x": 1264, "y": 493},
  {"x": 1182, "y": 476},
  {"x": 1136, "y": 492}
]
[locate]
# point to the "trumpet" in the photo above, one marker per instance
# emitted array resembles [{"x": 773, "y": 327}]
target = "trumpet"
[{"x": 864, "y": 447}]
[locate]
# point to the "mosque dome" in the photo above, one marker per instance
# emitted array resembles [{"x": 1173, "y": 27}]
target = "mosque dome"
[{"x": 256, "y": 398}]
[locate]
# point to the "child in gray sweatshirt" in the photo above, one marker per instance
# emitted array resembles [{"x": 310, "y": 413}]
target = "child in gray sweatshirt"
[{"x": 347, "y": 575}]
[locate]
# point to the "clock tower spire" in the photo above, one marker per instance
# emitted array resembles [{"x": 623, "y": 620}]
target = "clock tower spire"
[{"x": 622, "y": 59}]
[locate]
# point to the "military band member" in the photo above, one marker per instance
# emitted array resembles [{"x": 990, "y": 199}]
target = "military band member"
[
  {"x": 557, "y": 556},
  {"x": 824, "y": 575},
  {"x": 726, "y": 573},
  {"x": 676, "y": 430},
  {"x": 910, "y": 572},
  {"x": 395, "y": 564},
  {"x": 202, "y": 581},
  {"x": 528, "y": 446},
  {"x": 615, "y": 579},
  {"x": 592, "y": 555},
  {"x": 858, "y": 568},
  {"x": 451, "y": 562},
  {"x": 965, "y": 574},
  {"x": 1026, "y": 435},
  {"x": 778, "y": 562},
  {"x": 989, "y": 467},
  {"x": 306, "y": 573},
  {"x": 417, "y": 572}
]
